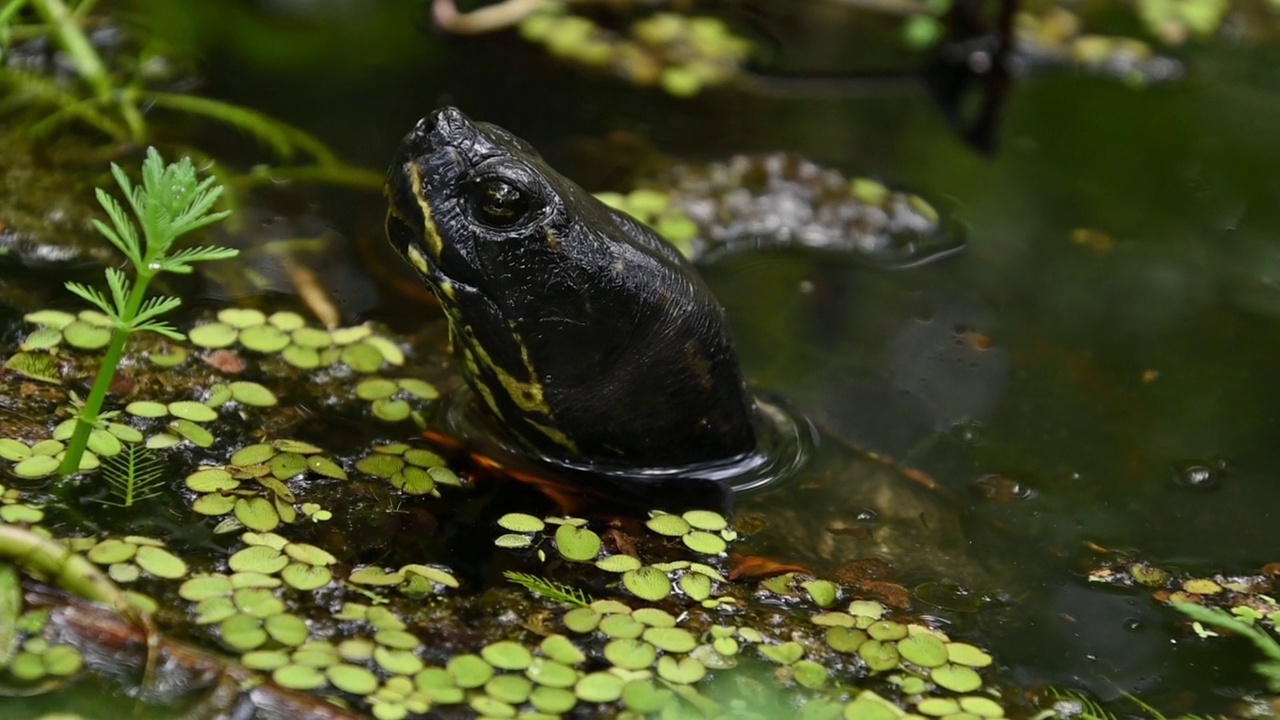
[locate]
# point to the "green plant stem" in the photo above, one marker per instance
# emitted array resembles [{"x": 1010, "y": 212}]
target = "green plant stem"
[
  {"x": 88, "y": 417},
  {"x": 88, "y": 63},
  {"x": 72, "y": 39}
]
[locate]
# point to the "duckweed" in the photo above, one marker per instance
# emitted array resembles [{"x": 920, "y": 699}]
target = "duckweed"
[
  {"x": 647, "y": 583},
  {"x": 598, "y": 687},
  {"x": 577, "y": 544}
]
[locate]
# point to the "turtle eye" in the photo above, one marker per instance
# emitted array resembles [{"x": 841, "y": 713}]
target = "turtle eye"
[{"x": 499, "y": 204}]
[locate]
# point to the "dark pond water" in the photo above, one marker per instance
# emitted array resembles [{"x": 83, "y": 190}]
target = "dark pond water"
[{"x": 1099, "y": 381}]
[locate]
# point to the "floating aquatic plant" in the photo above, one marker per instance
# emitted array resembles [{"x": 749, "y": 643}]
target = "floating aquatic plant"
[{"x": 169, "y": 203}]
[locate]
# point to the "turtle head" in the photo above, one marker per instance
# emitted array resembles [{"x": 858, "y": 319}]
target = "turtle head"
[{"x": 584, "y": 333}]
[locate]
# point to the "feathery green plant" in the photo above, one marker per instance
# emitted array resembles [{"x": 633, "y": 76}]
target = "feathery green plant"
[
  {"x": 549, "y": 589},
  {"x": 133, "y": 475},
  {"x": 169, "y": 203}
]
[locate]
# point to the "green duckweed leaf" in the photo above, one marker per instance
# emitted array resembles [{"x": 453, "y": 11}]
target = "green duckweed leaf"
[
  {"x": 420, "y": 389},
  {"x": 257, "y": 514},
  {"x": 391, "y": 353},
  {"x": 785, "y": 654},
  {"x": 371, "y": 389},
  {"x": 866, "y": 608},
  {"x": 303, "y": 358},
  {"x": 845, "y": 639},
  {"x": 581, "y": 620},
  {"x": 36, "y": 466},
  {"x": 362, "y": 357},
  {"x": 507, "y": 655},
  {"x": 391, "y": 410},
  {"x": 923, "y": 649},
  {"x": 647, "y": 583},
  {"x": 324, "y": 466},
  {"x": 398, "y": 662},
  {"x": 654, "y": 617},
  {"x": 213, "y": 335},
  {"x": 521, "y": 523},
  {"x": 705, "y": 520},
  {"x": 380, "y": 465},
  {"x": 621, "y": 626},
  {"x": 671, "y": 525},
  {"x": 287, "y": 321},
  {"x": 981, "y": 706},
  {"x": 306, "y": 577},
  {"x": 265, "y": 660},
  {"x": 214, "y": 504},
  {"x": 351, "y": 678},
  {"x": 577, "y": 544},
  {"x": 618, "y": 563},
  {"x": 210, "y": 480},
  {"x": 810, "y": 674},
  {"x": 112, "y": 550},
  {"x": 205, "y": 586},
  {"x": 671, "y": 639},
  {"x": 241, "y": 317},
  {"x": 956, "y": 678},
  {"x": 160, "y": 562},
  {"x": 469, "y": 671},
  {"x": 552, "y": 700},
  {"x": 824, "y": 593},
  {"x": 879, "y": 655},
  {"x": 598, "y": 687},
  {"x": 265, "y": 339},
  {"x": 15, "y": 451},
  {"x": 376, "y": 576},
  {"x": 252, "y": 394},
  {"x": 55, "y": 319},
  {"x": 511, "y": 689},
  {"x": 833, "y": 619},
  {"x": 683, "y": 671},
  {"x": 630, "y": 653},
  {"x": 513, "y": 541},
  {"x": 253, "y": 455},
  {"x": 966, "y": 654},
  {"x": 299, "y": 677},
  {"x": 562, "y": 650},
  {"x": 704, "y": 542},
  {"x": 869, "y": 706},
  {"x": 257, "y": 602},
  {"x": 242, "y": 632},
  {"x": 696, "y": 586},
  {"x": 86, "y": 336},
  {"x": 887, "y": 630},
  {"x": 289, "y": 630},
  {"x": 191, "y": 432},
  {"x": 550, "y": 673}
]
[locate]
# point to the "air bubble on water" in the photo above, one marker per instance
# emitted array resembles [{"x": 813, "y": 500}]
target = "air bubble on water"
[{"x": 1197, "y": 475}]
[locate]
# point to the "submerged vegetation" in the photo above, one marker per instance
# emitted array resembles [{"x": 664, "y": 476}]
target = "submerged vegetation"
[{"x": 118, "y": 95}]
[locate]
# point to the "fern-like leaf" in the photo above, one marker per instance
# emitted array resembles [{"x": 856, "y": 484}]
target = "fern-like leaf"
[
  {"x": 94, "y": 296},
  {"x": 179, "y": 262},
  {"x": 549, "y": 589},
  {"x": 133, "y": 475},
  {"x": 155, "y": 306}
]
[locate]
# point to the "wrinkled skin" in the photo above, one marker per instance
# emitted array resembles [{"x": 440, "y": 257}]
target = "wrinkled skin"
[{"x": 582, "y": 332}]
